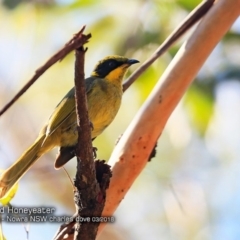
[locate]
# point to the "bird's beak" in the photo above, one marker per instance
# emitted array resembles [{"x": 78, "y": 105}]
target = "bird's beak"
[{"x": 132, "y": 61}]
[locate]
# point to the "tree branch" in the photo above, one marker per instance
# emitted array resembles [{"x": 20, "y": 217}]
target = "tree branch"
[
  {"x": 77, "y": 41},
  {"x": 187, "y": 23},
  {"x": 85, "y": 181},
  {"x": 89, "y": 197},
  {"x": 131, "y": 153}
]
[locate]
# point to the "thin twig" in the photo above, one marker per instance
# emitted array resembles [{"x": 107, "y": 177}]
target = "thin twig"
[
  {"x": 70, "y": 179},
  {"x": 190, "y": 20},
  {"x": 65, "y": 231},
  {"x": 77, "y": 41}
]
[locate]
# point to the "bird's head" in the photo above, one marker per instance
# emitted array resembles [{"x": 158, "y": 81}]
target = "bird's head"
[{"x": 113, "y": 68}]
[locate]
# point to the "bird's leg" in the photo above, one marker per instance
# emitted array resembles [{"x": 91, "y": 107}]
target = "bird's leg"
[{"x": 94, "y": 148}]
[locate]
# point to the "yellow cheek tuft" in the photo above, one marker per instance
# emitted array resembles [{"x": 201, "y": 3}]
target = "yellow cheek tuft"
[{"x": 117, "y": 74}]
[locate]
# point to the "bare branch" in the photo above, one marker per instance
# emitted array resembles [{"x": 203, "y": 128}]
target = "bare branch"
[
  {"x": 85, "y": 175},
  {"x": 77, "y": 41},
  {"x": 90, "y": 194},
  {"x": 187, "y": 23}
]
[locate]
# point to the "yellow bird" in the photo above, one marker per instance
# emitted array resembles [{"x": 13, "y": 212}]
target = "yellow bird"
[{"x": 104, "y": 94}]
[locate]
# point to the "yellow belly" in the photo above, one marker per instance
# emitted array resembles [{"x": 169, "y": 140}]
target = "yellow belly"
[
  {"x": 103, "y": 108},
  {"x": 103, "y": 105}
]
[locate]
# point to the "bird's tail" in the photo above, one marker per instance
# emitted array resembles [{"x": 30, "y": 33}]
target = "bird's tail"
[{"x": 20, "y": 167}]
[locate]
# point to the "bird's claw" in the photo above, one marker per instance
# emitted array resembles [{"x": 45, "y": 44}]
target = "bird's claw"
[{"x": 94, "y": 152}]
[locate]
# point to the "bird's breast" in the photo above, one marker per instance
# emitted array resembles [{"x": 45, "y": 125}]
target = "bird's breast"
[{"x": 103, "y": 104}]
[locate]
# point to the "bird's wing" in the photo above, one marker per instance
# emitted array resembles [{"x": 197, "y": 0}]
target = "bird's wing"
[{"x": 65, "y": 108}]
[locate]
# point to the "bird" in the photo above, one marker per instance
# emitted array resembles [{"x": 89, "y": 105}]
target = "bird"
[{"x": 104, "y": 94}]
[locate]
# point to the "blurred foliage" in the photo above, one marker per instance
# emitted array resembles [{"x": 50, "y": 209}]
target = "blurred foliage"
[
  {"x": 12, "y": 4},
  {"x": 188, "y": 4},
  {"x": 200, "y": 107},
  {"x": 190, "y": 190}
]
